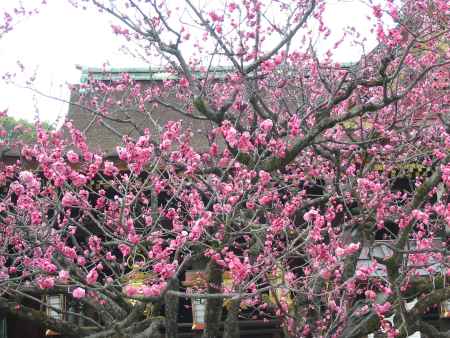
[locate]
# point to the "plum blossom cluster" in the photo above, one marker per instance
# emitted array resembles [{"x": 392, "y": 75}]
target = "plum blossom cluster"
[{"x": 314, "y": 192}]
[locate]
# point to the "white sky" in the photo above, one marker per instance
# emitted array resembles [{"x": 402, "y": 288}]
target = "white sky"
[{"x": 61, "y": 36}]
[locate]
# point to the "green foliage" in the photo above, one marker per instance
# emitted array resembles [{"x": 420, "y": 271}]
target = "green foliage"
[{"x": 13, "y": 130}]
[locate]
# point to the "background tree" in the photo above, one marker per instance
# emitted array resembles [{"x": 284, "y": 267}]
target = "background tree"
[
  {"x": 19, "y": 129},
  {"x": 14, "y": 133},
  {"x": 304, "y": 171}
]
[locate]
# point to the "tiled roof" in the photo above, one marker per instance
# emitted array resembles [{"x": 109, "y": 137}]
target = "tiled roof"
[{"x": 104, "y": 134}]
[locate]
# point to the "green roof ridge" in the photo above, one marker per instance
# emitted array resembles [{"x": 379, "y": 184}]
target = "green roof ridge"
[{"x": 136, "y": 73}]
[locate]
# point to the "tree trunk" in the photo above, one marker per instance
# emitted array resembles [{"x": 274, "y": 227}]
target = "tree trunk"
[
  {"x": 231, "y": 328},
  {"x": 171, "y": 310},
  {"x": 153, "y": 331},
  {"x": 213, "y": 313}
]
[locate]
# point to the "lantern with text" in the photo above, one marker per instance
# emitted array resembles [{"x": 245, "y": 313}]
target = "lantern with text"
[
  {"x": 195, "y": 280},
  {"x": 280, "y": 294},
  {"x": 227, "y": 285},
  {"x": 445, "y": 309},
  {"x": 3, "y": 328},
  {"x": 136, "y": 280},
  {"x": 55, "y": 307}
]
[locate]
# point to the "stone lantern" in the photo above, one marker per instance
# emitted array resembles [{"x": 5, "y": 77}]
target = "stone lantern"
[{"x": 194, "y": 280}]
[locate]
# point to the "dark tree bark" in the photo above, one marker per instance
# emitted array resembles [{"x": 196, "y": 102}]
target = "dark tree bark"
[
  {"x": 26, "y": 313},
  {"x": 171, "y": 309},
  {"x": 214, "y": 307},
  {"x": 231, "y": 328}
]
